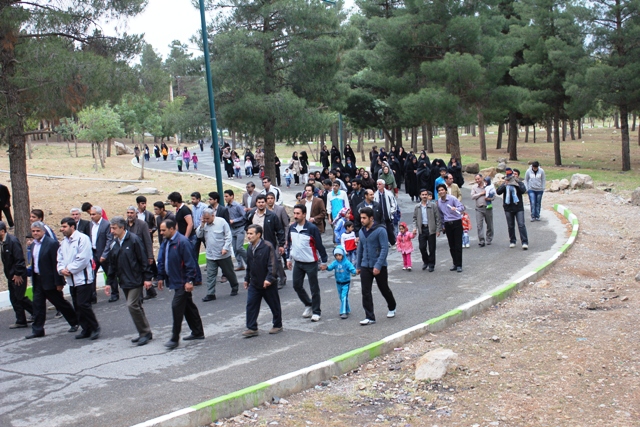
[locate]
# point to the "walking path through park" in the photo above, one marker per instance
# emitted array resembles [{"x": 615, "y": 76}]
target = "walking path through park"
[{"x": 59, "y": 381}]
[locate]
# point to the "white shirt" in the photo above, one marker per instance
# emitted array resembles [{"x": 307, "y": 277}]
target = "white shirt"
[
  {"x": 37, "y": 244},
  {"x": 308, "y": 204},
  {"x": 95, "y": 226},
  {"x": 141, "y": 215}
]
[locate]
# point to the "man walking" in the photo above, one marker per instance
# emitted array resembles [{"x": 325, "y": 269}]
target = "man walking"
[
  {"x": 260, "y": 282},
  {"x": 389, "y": 205},
  {"x": 281, "y": 214},
  {"x": 5, "y": 204},
  {"x": 451, "y": 213},
  {"x": 177, "y": 267},
  {"x": 316, "y": 211},
  {"x": 483, "y": 215},
  {"x": 268, "y": 188},
  {"x": 272, "y": 229},
  {"x": 535, "y": 181},
  {"x": 185, "y": 226},
  {"x": 219, "y": 209},
  {"x": 161, "y": 214},
  {"x": 101, "y": 238},
  {"x": 237, "y": 223},
  {"x": 303, "y": 246},
  {"x": 140, "y": 228},
  {"x": 47, "y": 283},
  {"x": 82, "y": 225},
  {"x": 513, "y": 191},
  {"x": 426, "y": 218},
  {"x": 336, "y": 200},
  {"x": 74, "y": 264},
  {"x": 371, "y": 264},
  {"x": 216, "y": 234},
  {"x": 249, "y": 197},
  {"x": 128, "y": 265},
  {"x": 369, "y": 202},
  {"x": 15, "y": 270}
]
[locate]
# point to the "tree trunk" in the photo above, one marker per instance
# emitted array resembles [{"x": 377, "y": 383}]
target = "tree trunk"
[
  {"x": 453, "y": 142},
  {"x": 473, "y": 130},
  {"x": 424, "y": 137},
  {"x": 616, "y": 120},
  {"x": 29, "y": 147},
  {"x": 513, "y": 136},
  {"x": 564, "y": 129},
  {"x": 429, "y": 138},
  {"x": 270, "y": 147},
  {"x": 499, "y": 140},
  {"x": 109, "y": 144},
  {"x": 526, "y": 134},
  {"x": 142, "y": 167},
  {"x": 483, "y": 138},
  {"x": 556, "y": 138},
  {"x": 334, "y": 136},
  {"x": 624, "y": 131},
  {"x": 580, "y": 128},
  {"x": 361, "y": 146},
  {"x": 534, "y": 133},
  {"x": 572, "y": 131},
  {"x": 414, "y": 139},
  {"x": 95, "y": 156},
  {"x": 549, "y": 129},
  {"x": 398, "y": 137},
  {"x": 633, "y": 124}
]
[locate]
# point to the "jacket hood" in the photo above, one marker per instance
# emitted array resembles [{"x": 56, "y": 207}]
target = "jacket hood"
[{"x": 339, "y": 250}]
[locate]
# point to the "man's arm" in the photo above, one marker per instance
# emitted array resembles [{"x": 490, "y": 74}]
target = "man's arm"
[
  {"x": 319, "y": 245},
  {"x": 19, "y": 264},
  {"x": 146, "y": 239},
  {"x": 228, "y": 237},
  {"x": 142, "y": 258},
  {"x": 189, "y": 220},
  {"x": 384, "y": 249},
  {"x": 188, "y": 261},
  {"x": 107, "y": 246},
  {"x": 271, "y": 266},
  {"x": 279, "y": 231}
]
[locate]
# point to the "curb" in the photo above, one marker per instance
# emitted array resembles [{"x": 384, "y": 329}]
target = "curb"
[{"x": 234, "y": 403}]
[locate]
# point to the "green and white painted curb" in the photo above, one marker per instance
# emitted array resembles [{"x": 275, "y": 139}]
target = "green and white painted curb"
[{"x": 234, "y": 403}]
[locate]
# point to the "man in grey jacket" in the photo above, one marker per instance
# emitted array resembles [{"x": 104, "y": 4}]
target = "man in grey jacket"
[
  {"x": 426, "y": 218},
  {"x": 535, "y": 181},
  {"x": 282, "y": 215},
  {"x": 217, "y": 237}
]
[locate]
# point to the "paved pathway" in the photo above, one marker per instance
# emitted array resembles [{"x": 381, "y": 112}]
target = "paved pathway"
[{"x": 59, "y": 381}]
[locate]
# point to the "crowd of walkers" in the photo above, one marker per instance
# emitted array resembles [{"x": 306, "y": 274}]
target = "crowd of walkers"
[{"x": 359, "y": 207}]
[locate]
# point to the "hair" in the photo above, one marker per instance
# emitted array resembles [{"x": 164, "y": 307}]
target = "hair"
[
  {"x": 517, "y": 171},
  {"x": 118, "y": 221},
  {"x": 197, "y": 195},
  {"x": 72, "y": 210},
  {"x": 336, "y": 182},
  {"x": 131, "y": 208},
  {"x": 261, "y": 197},
  {"x": 169, "y": 223},
  {"x": 39, "y": 224},
  {"x": 98, "y": 209},
  {"x": 3, "y": 226},
  {"x": 367, "y": 190},
  {"x": 480, "y": 175},
  {"x": 208, "y": 211},
  {"x": 367, "y": 211},
  {"x": 86, "y": 207},
  {"x": 159, "y": 205},
  {"x": 298, "y": 194},
  {"x": 327, "y": 182},
  {"x": 251, "y": 184},
  {"x": 270, "y": 193},
  {"x": 441, "y": 186},
  {"x": 256, "y": 228},
  {"x": 380, "y": 181},
  {"x": 309, "y": 185},
  {"x": 348, "y": 224},
  {"x": 266, "y": 178},
  {"x": 302, "y": 207},
  {"x": 215, "y": 196},
  {"x": 422, "y": 190},
  {"x": 141, "y": 199},
  {"x": 175, "y": 197},
  {"x": 229, "y": 192},
  {"x": 535, "y": 164},
  {"x": 38, "y": 213},
  {"x": 69, "y": 221}
]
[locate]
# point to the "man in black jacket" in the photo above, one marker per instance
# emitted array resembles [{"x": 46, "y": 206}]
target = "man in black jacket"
[
  {"x": 15, "y": 270},
  {"x": 101, "y": 244},
  {"x": 140, "y": 228},
  {"x": 272, "y": 229},
  {"x": 369, "y": 202},
  {"x": 260, "y": 281},
  {"x": 82, "y": 225},
  {"x": 129, "y": 266},
  {"x": 47, "y": 283}
]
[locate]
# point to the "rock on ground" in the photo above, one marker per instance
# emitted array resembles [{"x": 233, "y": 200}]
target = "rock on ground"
[
  {"x": 554, "y": 186},
  {"x": 501, "y": 167},
  {"x": 435, "y": 364},
  {"x": 147, "y": 190},
  {"x": 581, "y": 181},
  {"x": 122, "y": 149},
  {"x": 128, "y": 189},
  {"x": 489, "y": 172},
  {"x": 564, "y": 184},
  {"x": 472, "y": 168},
  {"x": 635, "y": 197}
]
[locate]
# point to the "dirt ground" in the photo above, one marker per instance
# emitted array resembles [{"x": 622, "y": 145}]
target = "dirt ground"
[{"x": 562, "y": 352}]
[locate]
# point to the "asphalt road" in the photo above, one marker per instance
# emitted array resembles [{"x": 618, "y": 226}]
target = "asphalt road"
[{"x": 60, "y": 381}]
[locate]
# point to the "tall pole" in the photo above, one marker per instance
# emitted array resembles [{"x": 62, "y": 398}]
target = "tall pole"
[
  {"x": 341, "y": 134},
  {"x": 212, "y": 111}
]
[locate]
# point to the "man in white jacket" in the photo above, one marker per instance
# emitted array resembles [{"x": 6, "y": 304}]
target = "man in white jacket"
[
  {"x": 74, "y": 264},
  {"x": 389, "y": 207}
]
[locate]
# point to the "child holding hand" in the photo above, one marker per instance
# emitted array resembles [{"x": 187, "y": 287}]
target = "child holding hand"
[{"x": 405, "y": 245}]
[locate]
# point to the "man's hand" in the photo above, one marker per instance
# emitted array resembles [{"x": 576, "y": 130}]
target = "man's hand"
[
  {"x": 437, "y": 234},
  {"x": 312, "y": 220},
  {"x": 17, "y": 280},
  {"x": 246, "y": 285},
  {"x": 60, "y": 288},
  {"x": 376, "y": 271},
  {"x": 188, "y": 287},
  {"x": 323, "y": 267},
  {"x": 281, "y": 251},
  {"x": 102, "y": 259},
  {"x": 267, "y": 284},
  {"x": 160, "y": 285},
  {"x": 107, "y": 290},
  {"x": 289, "y": 265},
  {"x": 65, "y": 272},
  {"x": 148, "y": 285},
  {"x": 224, "y": 252},
  {"x": 150, "y": 261},
  {"x": 358, "y": 272}
]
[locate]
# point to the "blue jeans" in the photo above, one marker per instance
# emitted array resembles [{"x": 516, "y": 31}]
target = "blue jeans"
[
  {"x": 465, "y": 238},
  {"x": 343, "y": 294},
  {"x": 535, "y": 199},
  {"x": 512, "y": 218},
  {"x": 237, "y": 173}
]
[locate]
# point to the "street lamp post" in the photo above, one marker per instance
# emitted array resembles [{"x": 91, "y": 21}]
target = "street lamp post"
[{"x": 212, "y": 111}]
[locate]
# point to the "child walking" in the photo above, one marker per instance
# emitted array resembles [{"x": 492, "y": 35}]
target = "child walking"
[
  {"x": 194, "y": 160},
  {"x": 343, "y": 272},
  {"x": 288, "y": 177},
  {"x": 405, "y": 245},
  {"x": 348, "y": 241},
  {"x": 248, "y": 167},
  {"x": 237, "y": 167},
  {"x": 466, "y": 227}
]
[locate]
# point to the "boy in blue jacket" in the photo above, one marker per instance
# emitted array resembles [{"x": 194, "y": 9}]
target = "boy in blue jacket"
[{"x": 343, "y": 271}]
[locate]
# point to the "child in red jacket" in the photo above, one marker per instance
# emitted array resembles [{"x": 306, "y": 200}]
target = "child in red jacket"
[
  {"x": 404, "y": 245},
  {"x": 466, "y": 227}
]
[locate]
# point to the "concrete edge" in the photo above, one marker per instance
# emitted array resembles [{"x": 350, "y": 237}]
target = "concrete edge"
[{"x": 234, "y": 403}]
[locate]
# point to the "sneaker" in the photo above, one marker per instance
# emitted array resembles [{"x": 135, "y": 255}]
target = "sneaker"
[
  {"x": 344, "y": 316},
  {"x": 391, "y": 314},
  {"x": 512, "y": 245},
  {"x": 307, "y": 312},
  {"x": 315, "y": 318},
  {"x": 18, "y": 326},
  {"x": 58, "y": 315},
  {"x": 366, "y": 322},
  {"x": 408, "y": 268},
  {"x": 533, "y": 219},
  {"x": 250, "y": 333},
  {"x": 525, "y": 246},
  {"x": 275, "y": 330},
  {"x": 404, "y": 268}
]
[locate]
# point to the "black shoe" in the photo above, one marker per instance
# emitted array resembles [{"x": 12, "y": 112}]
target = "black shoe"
[
  {"x": 114, "y": 298},
  {"x": 454, "y": 268},
  {"x": 95, "y": 334},
  {"x": 34, "y": 335},
  {"x": 171, "y": 344},
  {"x": 31, "y": 320},
  {"x": 193, "y": 337},
  {"x": 425, "y": 266},
  {"x": 481, "y": 245},
  {"x": 281, "y": 285},
  {"x": 459, "y": 269},
  {"x": 82, "y": 335},
  {"x": 74, "y": 328},
  {"x": 145, "y": 339},
  {"x": 94, "y": 298},
  {"x": 209, "y": 298},
  {"x": 135, "y": 340},
  {"x": 234, "y": 292},
  {"x": 431, "y": 269},
  {"x": 58, "y": 315},
  {"x": 149, "y": 296}
]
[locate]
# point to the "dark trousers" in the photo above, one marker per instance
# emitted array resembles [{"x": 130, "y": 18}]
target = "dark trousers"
[
  {"x": 40, "y": 297},
  {"x": 7, "y": 213},
  {"x": 310, "y": 269},
  {"x": 254, "y": 299},
  {"x": 183, "y": 307},
  {"x": 195, "y": 244},
  {"x": 134, "y": 304},
  {"x": 81, "y": 297},
  {"x": 382, "y": 280},
  {"x": 427, "y": 245},
  {"x": 278, "y": 177},
  {"x": 226, "y": 265},
  {"x": 512, "y": 218},
  {"x": 19, "y": 302},
  {"x": 454, "y": 236},
  {"x": 390, "y": 232}
]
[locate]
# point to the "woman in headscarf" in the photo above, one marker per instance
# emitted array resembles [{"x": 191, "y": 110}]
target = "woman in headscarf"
[
  {"x": 411, "y": 178},
  {"x": 304, "y": 166},
  {"x": 324, "y": 157},
  {"x": 367, "y": 181},
  {"x": 454, "y": 167},
  {"x": 228, "y": 162},
  {"x": 294, "y": 166},
  {"x": 337, "y": 164},
  {"x": 423, "y": 177},
  {"x": 349, "y": 154},
  {"x": 335, "y": 153},
  {"x": 260, "y": 157},
  {"x": 325, "y": 173},
  {"x": 436, "y": 165},
  {"x": 394, "y": 165},
  {"x": 389, "y": 179}
]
